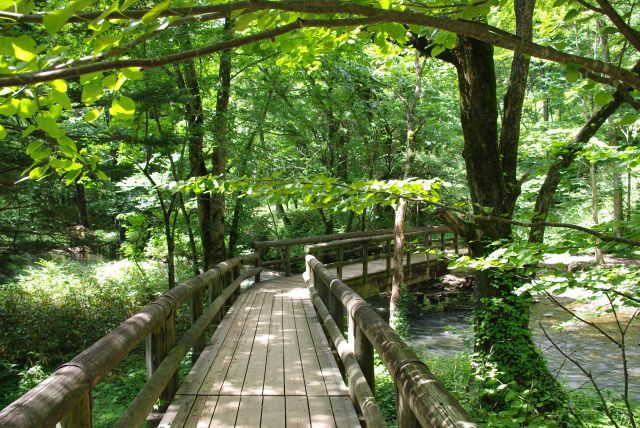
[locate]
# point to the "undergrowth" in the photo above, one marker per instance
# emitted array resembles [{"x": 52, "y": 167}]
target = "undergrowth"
[{"x": 455, "y": 372}]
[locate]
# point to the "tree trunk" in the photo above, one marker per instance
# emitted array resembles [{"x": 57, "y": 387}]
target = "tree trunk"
[
  {"x": 81, "y": 205},
  {"x": 397, "y": 277},
  {"x": 238, "y": 205},
  {"x": 283, "y": 214},
  {"x": 544, "y": 200},
  {"x": 194, "y": 116},
  {"x": 613, "y": 141},
  {"x": 218, "y": 157},
  {"x": 599, "y": 257}
]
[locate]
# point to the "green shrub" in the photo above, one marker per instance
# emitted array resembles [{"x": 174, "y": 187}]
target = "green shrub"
[{"x": 55, "y": 309}]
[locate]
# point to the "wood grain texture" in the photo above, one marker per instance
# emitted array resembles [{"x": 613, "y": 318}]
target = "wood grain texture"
[{"x": 269, "y": 364}]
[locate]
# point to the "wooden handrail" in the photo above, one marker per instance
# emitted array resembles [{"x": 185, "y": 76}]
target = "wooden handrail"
[
  {"x": 67, "y": 392},
  {"x": 436, "y": 230},
  {"x": 285, "y": 261},
  {"x": 421, "y": 398}
]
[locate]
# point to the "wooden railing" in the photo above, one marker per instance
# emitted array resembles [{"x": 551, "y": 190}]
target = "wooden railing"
[
  {"x": 66, "y": 395},
  {"x": 421, "y": 399},
  {"x": 284, "y": 262},
  {"x": 364, "y": 249}
]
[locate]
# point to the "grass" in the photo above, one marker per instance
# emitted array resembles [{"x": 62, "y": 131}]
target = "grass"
[{"x": 455, "y": 372}]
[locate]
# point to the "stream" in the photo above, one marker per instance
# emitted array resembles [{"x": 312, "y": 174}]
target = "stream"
[{"x": 449, "y": 332}]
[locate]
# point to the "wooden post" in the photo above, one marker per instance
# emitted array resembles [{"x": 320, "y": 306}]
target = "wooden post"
[
  {"x": 287, "y": 260},
  {"x": 442, "y": 241},
  {"x": 80, "y": 415},
  {"x": 235, "y": 273},
  {"x": 409, "y": 251},
  {"x": 363, "y": 351},
  {"x": 456, "y": 246},
  {"x": 387, "y": 246},
  {"x": 196, "y": 312},
  {"x": 337, "y": 311},
  {"x": 340, "y": 261},
  {"x": 405, "y": 416},
  {"x": 365, "y": 261},
  {"x": 216, "y": 291},
  {"x": 258, "y": 261},
  {"x": 158, "y": 345}
]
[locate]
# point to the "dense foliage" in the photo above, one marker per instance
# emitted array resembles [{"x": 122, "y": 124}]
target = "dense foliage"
[{"x": 146, "y": 141}]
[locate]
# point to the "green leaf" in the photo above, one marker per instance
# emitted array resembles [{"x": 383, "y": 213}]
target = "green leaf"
[
  {"x": 109, "y": 82},
  {"x": 36, "y": 173},
  {"x": 34, "y": 146},
  {"x": 27, "y": 108},
  {"x": 90, "y": 77},
  {"x": 67, "y": 143},
  {"x": 54, "y": 21},
  {"x": 385, "y": 4},
  {"x": 104, "y": 42},
  {"x": 71, "y": 176},
  {"x": 9, "y": 107},
  {"x": 3, "y": 133},
  {"x": 603, "y": 98},
  {"x": 101, "y": 175},
  {"x": 437, "y": 50},
  {"x": 6, "y": 4},
  {"x": 132, "y": 73},
  {"x": 24, "y": 48},
  {"x": 91, "y": 92},
  {"x": 49, "y": 126},
  {"x": 155, "y": 11},
  {"x": 62, "y": 99},
  {"x": 571, "y": 14},
  {"x": 123, "y": 108},
  {"x": 628, "y": 119},
  {"x": 572, "y": 76},
  {"x": 41, "y": 154},
  {"x": 58, "y": 85},
  {"x": 28, "y": 131},
  {"x": 92, "y": 115}
]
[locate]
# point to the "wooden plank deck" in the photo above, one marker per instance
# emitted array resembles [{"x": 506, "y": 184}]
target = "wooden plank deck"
[{"x": 269, "y": 364}]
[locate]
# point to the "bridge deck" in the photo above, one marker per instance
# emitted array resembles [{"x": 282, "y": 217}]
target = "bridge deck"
[{"x": 269, "y": 365}]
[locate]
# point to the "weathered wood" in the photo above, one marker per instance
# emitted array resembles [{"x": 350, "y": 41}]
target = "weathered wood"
[
  {"x": 404, "y": 415},
  {"x": 287, "y": 260},
  {"x": 363, "y": 353},
  {"x": 428, "y": 399},
  {"x": 258, "y": 262},
  {"x": 158, "y": 345},
  {"x": 365, "y": 261},
  {"x": 80, "y": 414},
  {"x": 136, "y": 413},
  {"x": 196, "y": 311},
  {"x": 340, "y": 261},
  {"x": 359, "y": 388},
  {"x": 456, "y": 244}
]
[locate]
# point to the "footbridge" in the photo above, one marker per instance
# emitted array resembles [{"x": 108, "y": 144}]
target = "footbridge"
[{"x": 295, "y": 350}]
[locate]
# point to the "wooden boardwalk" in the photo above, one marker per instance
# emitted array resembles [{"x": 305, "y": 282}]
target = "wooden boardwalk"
[{"x": 269, "y": 365}]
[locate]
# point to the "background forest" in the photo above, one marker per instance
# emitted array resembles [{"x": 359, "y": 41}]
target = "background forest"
[{"x": 120, "y": 183}]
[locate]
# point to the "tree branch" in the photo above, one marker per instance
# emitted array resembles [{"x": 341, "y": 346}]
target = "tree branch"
[
  {"x": 629, "y": 33},
  {"x": 479, "y": 31},
  {"x": 599, "y": 235}
]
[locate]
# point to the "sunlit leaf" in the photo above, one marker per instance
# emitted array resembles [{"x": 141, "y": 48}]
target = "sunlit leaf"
[
  {"x": 92, "y": 115},
  {"x": 91, "y": 92},
  {"x": 123, "y": 108},
  {"x": 3, "y": 132},
  {"x": 155, "y": 11}
]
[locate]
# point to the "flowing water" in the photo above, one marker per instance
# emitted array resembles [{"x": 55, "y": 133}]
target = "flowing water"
[{"x": 449, "y": 332}]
